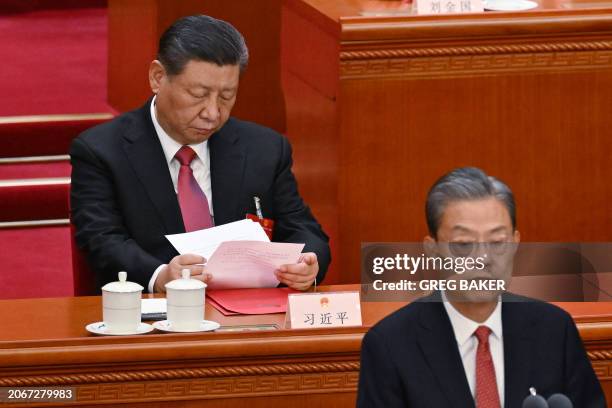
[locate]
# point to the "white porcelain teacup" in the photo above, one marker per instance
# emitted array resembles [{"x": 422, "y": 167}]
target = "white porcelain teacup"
[
  {"x": 185, "y": 302},
  {"x": 121, "y": 305}
]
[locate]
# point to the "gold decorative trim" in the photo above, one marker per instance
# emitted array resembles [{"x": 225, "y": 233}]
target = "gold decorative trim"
[
  {"x": 220, "y": 388},
  {"x": 34, "y": 223},
  {"x": 55, "y": 118},
  {"x": 477, "y": 64},
  {"x": 34, "y": 159},
  {"x": 599, "y": 355},
  {"x": 181, "y": 373},
  {"x": 477, "y": 50},
  {"x": 48, "y": 181},
  {"x": 456, "y": 61}
]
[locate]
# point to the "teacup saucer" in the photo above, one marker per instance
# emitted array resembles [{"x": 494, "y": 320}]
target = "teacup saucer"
[
  {"x": 101, "y": 329},
  {"x": 205, "y": 325}
]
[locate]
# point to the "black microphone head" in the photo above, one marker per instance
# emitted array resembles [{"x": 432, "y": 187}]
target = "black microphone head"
[
  {"x": 559, "y": 401},
  {"x": 535, "y": 401}
]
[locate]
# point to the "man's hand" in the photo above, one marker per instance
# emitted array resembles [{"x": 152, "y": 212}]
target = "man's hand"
[
  {"x": 300, "y": 275},
  {"x": 173, "y": 270}
]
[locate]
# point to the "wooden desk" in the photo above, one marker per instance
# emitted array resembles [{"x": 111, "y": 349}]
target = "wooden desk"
[
  {"x": 43, "y": 342},
  {"x": 380, "y": 106}
]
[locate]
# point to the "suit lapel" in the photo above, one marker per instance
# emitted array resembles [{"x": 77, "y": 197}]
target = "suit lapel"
[
  {"x": 146, "y": 157},
  {"x": 437, "y": 341},
  {"x": 227, "y": 164},
  {"x": 518, "y": 339}
]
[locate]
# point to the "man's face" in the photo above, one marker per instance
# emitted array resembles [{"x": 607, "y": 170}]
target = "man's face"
[
  {"x": 194, "y": 104},
  {"x": 478, "y": 228}
]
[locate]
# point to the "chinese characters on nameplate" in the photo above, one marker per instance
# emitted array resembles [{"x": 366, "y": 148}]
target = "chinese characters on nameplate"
[
  {"x": 331, "y": 309},
  {"x": 447, "y": 6}
]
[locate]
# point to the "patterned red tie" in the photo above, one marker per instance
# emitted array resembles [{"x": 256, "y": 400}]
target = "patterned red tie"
[
  {"x": 487, "y": 395},
  {"x": 193, "y": 202}
]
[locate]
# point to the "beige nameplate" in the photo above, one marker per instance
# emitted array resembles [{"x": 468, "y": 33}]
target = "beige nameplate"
[
  {"x": 447, "y": 6},
  {"x": 315, "y": 310}
]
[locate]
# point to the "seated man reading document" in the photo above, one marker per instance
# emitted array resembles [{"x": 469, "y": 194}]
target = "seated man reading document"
[
  {"x": 474, "y": 348},
  {"x": 181, "y": 163}
]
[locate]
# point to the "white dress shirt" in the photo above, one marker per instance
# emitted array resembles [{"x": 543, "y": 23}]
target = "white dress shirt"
[
  {"x": 200, "y": 167},
  {"x": 467, "y": 342}
]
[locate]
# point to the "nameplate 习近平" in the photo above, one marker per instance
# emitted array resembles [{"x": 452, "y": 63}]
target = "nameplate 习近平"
[{"x": 324, "y": 309}]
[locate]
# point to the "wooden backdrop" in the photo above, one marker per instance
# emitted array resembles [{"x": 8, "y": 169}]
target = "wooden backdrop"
[{"x": 389, "y": 104}]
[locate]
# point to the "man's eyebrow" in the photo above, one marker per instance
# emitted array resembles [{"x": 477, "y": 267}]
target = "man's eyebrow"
[
  {"x": 207, "y": 88},
  {"x": 461, "y": 228},
  {"x": 196, "y": 85},
  {"x": 501, "y": 228}
]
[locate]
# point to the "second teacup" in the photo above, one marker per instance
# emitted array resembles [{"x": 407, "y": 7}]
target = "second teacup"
[{"x": 185, "y": 302}]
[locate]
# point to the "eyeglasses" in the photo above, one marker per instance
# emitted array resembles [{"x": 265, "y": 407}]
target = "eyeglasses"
[{"x": 463, "y": 249}]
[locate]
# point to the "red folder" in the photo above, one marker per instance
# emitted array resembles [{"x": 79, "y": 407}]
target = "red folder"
[{"x": 250, "y": 301}]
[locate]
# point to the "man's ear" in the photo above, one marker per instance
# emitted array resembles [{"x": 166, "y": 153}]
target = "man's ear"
[
  {"x": 157, "y": 74},
  {"x": 516, "y": 239},
  {"x": 430, "y": 246}
]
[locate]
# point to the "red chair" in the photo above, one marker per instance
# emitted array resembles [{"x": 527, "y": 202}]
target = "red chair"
[
  {"x": 49, "y": 135},
  {"x": 83, "y": 277}
]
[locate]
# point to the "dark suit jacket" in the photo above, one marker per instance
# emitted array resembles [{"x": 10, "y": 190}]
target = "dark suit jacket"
[
  {"x": 123, "y": 201},
  {"x": 411, "y": 359}
]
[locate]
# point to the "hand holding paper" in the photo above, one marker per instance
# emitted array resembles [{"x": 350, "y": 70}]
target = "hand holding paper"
[
  {"x": 173, "y": 270},
  {"x": 299, "y": 275}
]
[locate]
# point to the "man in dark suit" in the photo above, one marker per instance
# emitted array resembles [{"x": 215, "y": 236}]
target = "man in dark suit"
[
  {"x": 482, "y": 349},
  {"x": 181, "y": 163}
]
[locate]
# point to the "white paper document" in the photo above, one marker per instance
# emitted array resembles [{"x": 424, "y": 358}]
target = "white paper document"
[
  {"x": 205, "y": 242},
  {"x": 239, "y": 254},
  {"x": 152, "y": 306}
]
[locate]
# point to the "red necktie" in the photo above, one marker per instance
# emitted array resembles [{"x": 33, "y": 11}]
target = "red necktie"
[
  {"x": 487, "y": 395},
  {"x": 193, "y": 202}
]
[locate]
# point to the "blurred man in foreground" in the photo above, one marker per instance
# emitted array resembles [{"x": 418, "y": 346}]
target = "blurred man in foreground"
[{"x": 482, "y": 349}]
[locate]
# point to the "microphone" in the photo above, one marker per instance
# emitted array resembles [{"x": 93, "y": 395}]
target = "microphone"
[
  {"x": 534, "y": 400},
  {"x": 559, "y": 401}
]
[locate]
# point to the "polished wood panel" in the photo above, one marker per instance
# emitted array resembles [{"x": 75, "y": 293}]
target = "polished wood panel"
[
  {"x": 44, "y": 343},
  {"x": 525, "y": 96},
  {"x": 136, "y": 25}
]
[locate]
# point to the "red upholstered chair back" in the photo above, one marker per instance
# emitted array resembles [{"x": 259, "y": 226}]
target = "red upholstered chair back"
[
  {"x": 49, "y": 136},
  {"x": 84, "y": 278},
  {"x": 85, "y": 282}
]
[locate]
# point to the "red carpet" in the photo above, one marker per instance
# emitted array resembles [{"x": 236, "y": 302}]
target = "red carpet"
[
  {"x": 54, "y": 62},
  {"x": 41, "y": 266}
]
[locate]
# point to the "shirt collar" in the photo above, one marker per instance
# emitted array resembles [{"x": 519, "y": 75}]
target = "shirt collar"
[
  {"x": 171, "y": 146},
  {"x": 464, "y": 328}
]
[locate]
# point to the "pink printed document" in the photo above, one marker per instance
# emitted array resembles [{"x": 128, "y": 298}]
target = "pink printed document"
[
  {"x": 250, "y": 301},
  {"x": 239, "y": 254},
  {"x": 249, "y": 264}
]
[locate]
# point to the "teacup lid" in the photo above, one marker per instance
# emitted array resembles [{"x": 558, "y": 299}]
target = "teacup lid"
[
  {"x": 122, "y": 286},
  {"x": 185, "y": 282}
]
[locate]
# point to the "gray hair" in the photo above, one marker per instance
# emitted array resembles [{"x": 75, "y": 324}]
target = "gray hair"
[
  {"x": 201, "y": 38},
  {"x": 465, "y": 183}
]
